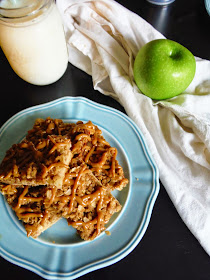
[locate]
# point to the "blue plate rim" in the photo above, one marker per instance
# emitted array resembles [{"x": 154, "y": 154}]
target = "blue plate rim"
[
  {"x": 207, "y": 5},
  {"x": 147, "y": 211}
]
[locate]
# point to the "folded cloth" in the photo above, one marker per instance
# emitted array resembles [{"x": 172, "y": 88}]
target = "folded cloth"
[{"x": 103, "y": 39}]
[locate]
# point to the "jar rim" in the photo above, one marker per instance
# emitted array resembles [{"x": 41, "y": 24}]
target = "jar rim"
[
  {"x": 17, "y": 8},
  {"x": 25, "y": 11}
]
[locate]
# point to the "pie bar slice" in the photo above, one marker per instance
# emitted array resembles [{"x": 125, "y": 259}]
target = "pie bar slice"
[
  {"x": 103, "y": 163},
  {"x": 41, "y": 162},
  {"x": 32, "y": 206},
  {"x": 90, "y": 219},
  {"x": 90, "y": 205},
  {"x": 89, "y": 146}
]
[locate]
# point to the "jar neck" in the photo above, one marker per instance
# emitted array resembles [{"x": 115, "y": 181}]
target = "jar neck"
[{"x": 23, "y": 12}]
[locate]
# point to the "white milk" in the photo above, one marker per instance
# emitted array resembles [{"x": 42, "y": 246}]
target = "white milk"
[{"x": 36, "y": 48}]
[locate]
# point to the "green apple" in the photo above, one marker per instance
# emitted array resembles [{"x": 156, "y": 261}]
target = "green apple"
[{"x": 163, "y": 69}]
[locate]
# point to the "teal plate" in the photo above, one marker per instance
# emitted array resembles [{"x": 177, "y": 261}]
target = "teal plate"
[
  {"x": 207, "y": 5},
  {"x": 59, "y": 253}
]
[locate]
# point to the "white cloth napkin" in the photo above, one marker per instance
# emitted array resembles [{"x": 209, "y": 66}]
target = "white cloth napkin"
[{"x": 103, "y": 39}]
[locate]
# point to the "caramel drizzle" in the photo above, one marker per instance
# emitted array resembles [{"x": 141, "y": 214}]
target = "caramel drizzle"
[
  {"x": 81, "y": 126},
  {"x": 26, "y": 212},
  {"x": 83, "y": 201},
  {"x": 69, "y": 178},
  {"x": 113, "y": 161},
  {"x": 51, "y": 166},
  {"x": 45, "y": 217},
  {"x": 9, "y": 174},
  {"x": 41, "y": 145},
  {"x": 79, "y": 144},
  {"x": 87, "y": 158},
  {"x": 99, "y": 219},
  {"x": 75, "y": 188},
  {"x": 21, "y": 198},
  {"x": 95, "y": 138},
  {"x": 102, "y": 163},
  {"x": 50, "y": 128},
  {"x": 103, "y": 141},
  {"x": 45, "y": 142},
  {"x": 56, "y": 145},
  {"x": 28, "y": 157},
  {"x": 96, "y": 141},
  {"x": 89, "y": 198},
  {"x": 81, "y": 136},
  {"x": 53, "y": 190},
  {"x": 52, "y": 125},
  {"x": 100, "y": 213},
  {"x": 8, "y": 189}
]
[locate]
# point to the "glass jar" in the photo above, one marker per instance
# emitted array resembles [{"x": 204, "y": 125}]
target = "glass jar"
[
  {"x": 32, "y": 38},
  {"x": 161, "y": 2}
]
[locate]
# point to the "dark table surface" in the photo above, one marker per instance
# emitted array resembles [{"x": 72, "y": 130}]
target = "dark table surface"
[{"x": 168, "y": 249}]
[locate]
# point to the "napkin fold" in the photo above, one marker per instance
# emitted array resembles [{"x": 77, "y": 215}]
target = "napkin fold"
[{"x": 103, "y": 38}]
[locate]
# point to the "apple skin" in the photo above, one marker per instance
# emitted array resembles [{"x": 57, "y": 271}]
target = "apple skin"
[{"x": 163, "y": 69}]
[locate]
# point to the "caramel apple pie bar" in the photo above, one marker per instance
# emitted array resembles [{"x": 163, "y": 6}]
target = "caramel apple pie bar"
[
  {"x": 62, "y": 170},
  {"x": 42, "y": 162},
  {"x": 90, "y": 205},
  {"x": 32, "y": 206}
]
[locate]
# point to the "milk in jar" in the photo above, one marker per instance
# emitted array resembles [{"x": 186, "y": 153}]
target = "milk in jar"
[{"x": 32, "y": 38}]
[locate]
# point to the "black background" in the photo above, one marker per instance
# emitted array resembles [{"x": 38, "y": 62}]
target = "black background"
[{"x": 168, "y": 250}]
